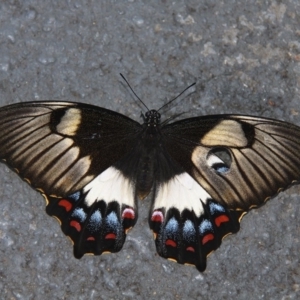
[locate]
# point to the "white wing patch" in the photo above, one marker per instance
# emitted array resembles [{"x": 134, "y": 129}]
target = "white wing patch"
[
  {"x": 213, "y": 159},
  {"x": 110, "y": 185},
  {"x": 181, "y": 192}
]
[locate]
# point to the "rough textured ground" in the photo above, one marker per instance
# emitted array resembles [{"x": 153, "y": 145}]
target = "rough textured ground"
[{"x": 245, "y": 58}]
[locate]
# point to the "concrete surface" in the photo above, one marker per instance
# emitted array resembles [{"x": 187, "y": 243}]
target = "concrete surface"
[{"x": 244, "y": 57}]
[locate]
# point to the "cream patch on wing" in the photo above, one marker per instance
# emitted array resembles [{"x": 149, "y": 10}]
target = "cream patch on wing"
[
  {"x": 110, "y": 185},
  {"x": 181, "y": 192},
  {"x": 70, "y": 122},
  {"x": 226, "y": 133}
]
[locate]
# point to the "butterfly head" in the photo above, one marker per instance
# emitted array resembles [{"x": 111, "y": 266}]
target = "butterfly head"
[{"x": 152, "y": 118}]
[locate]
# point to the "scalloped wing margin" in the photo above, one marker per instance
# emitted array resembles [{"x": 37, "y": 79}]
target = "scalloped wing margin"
[
  {"x": 98, "y": 217},
  {"x": 187, "y": 223}
]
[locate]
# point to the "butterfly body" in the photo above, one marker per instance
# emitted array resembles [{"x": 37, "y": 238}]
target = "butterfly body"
[{"x": 202, "y": 174}]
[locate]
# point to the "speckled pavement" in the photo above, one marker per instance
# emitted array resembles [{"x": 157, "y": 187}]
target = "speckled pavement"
[{"x": 244, "y": 58}]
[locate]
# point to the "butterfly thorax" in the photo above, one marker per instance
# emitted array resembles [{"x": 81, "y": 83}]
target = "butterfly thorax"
[
  {"x": 150, "y": 136},
  {"x": 152, "y": 119}
]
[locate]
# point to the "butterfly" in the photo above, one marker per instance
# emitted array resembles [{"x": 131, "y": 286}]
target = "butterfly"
[{"x": 202, "y": 174}]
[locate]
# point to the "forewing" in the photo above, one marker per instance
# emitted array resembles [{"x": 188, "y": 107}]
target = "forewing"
[
  {"x": 241, "y": 161},
  {"x": 58, "y": 147}
]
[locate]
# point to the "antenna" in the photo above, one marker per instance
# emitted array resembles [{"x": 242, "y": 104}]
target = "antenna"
[
  {"x": 134, "y": 91},
  {"x": 177, "y": 96},
  {"x": 163, "y": 105}
]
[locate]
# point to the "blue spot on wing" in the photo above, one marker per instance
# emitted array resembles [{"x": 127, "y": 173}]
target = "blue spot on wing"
[
  {"x": 215, "y": 208},
  {"x": 221, "y": 168},
  {"x": 80, "y": 214},
  {"x": 172, "y": 226},
  {"x": 205, "y": 226},
  {"x": 75, "y": 196},
  {"x": 112, "y": 219},
  {"x": 189, "y": 230},
  {"x": 113, "y": 223},
  {"x": 95, "y": 221}
]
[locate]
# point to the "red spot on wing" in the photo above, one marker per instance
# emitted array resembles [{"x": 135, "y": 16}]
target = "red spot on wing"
[
  {"x": 207, "y": 238},
  {"x": 221, "y": 219},
  {"x": 171, "y": 243},
  {"x": 67, "y": 205},
  {"x": 190, "y": 249},
  {"x": 157, "y": 216},
  {"x": 110, "y": 236},
  {"x": 76, "y": 225},
  {"x": 90, "y": 238},
  {"x": 128, "y": 213}
]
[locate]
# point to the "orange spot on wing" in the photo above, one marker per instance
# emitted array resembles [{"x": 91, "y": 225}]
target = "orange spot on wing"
[
  {"x": 90, "y": 238},
  {"x": 221, "y": 219},
  {"x": 156, "y": 219},
  {"x": 190, "y": 249},
  {"x": 157, "y": 216},
  {"x": 67, "y": 205},
  {"x": 207, "y": 238},
  {"x": 110, "y": 236},
  {"x": 76, "y": 225},
  {"x": 128, "y": 213},
  {"x": 171, "y": 243}
]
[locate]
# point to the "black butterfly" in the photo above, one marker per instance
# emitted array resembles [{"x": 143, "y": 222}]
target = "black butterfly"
[{"x": 92, "y": 164}]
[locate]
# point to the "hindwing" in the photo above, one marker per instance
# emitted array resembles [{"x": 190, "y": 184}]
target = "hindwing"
[
  {"x": 241, "y": 161},
  {"x": 59, "y": 147},
  {"x": 97, "y": 217}
]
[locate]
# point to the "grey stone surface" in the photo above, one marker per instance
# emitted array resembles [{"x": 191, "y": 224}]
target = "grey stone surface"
[{"x": 244, "y": 57}]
